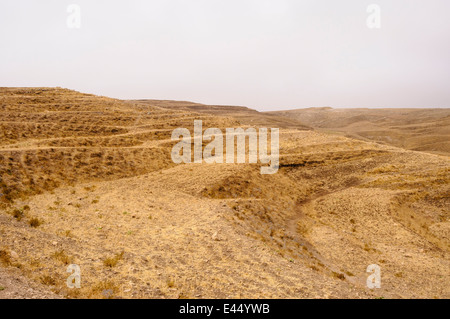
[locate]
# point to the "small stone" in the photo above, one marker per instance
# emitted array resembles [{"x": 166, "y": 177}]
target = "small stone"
[{"x": 14, "y": 255}]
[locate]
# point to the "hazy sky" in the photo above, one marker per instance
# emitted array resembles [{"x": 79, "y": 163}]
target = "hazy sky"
[{"x": 265, "y": 54}]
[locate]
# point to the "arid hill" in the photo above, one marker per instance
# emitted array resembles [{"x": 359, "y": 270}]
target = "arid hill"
[
  {"x": 244, "y": 115},
  {"x": 414, "y": 129},
  {"x": 89, "y": 180}
]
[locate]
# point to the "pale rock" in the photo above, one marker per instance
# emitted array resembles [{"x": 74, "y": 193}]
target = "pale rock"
[{"x": 14, "y": 255}]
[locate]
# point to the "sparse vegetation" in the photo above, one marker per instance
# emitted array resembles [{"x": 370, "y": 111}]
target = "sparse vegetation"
[
  {"x": 35, "y": 263},
  {"x": 90, "y": 188},
  {"x": 48, "y": 280},
  {"x": 68, "y": 233},
  {"x": 170, "y": 282},
  {"x": 350, "y": 274},
  {"x": 113, "y": 261},
  {"x": 62, "y": 257},
  {"x": 338, "y": 275},
  {"x": 18, "y": 214},
  {"x": 5, "y": 258},
  {"x": 35, "y": 222}
]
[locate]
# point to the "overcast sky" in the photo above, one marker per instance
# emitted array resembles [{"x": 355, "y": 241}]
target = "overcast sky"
[{"x": 265, "y": 54}]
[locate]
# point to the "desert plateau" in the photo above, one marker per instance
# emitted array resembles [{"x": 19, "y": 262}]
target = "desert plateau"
[{"x": 88, "y": 180}]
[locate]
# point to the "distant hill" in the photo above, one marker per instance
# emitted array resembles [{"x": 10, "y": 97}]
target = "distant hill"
[
  {"x": 414, "y": 129},
  {"x": 244, "y": 115}
]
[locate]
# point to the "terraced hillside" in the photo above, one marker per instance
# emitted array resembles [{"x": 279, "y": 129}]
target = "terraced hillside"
[
  {"x": 89, "y": 180},
  {"x": 54, "y": 137}
]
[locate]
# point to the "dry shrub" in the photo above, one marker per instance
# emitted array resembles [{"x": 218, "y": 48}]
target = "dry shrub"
[
  {"x": 48, "y": 280},
  {"x": 170, "y": 282},
  {"x": 338, "y": 276},
  {"x": 35, "y": 222},
  {"x": 62, "y": 257},
  {"x": 5, "y": 258},
  {"x": 18, "y": 214},
  {"x": 112, "y": 261}
]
